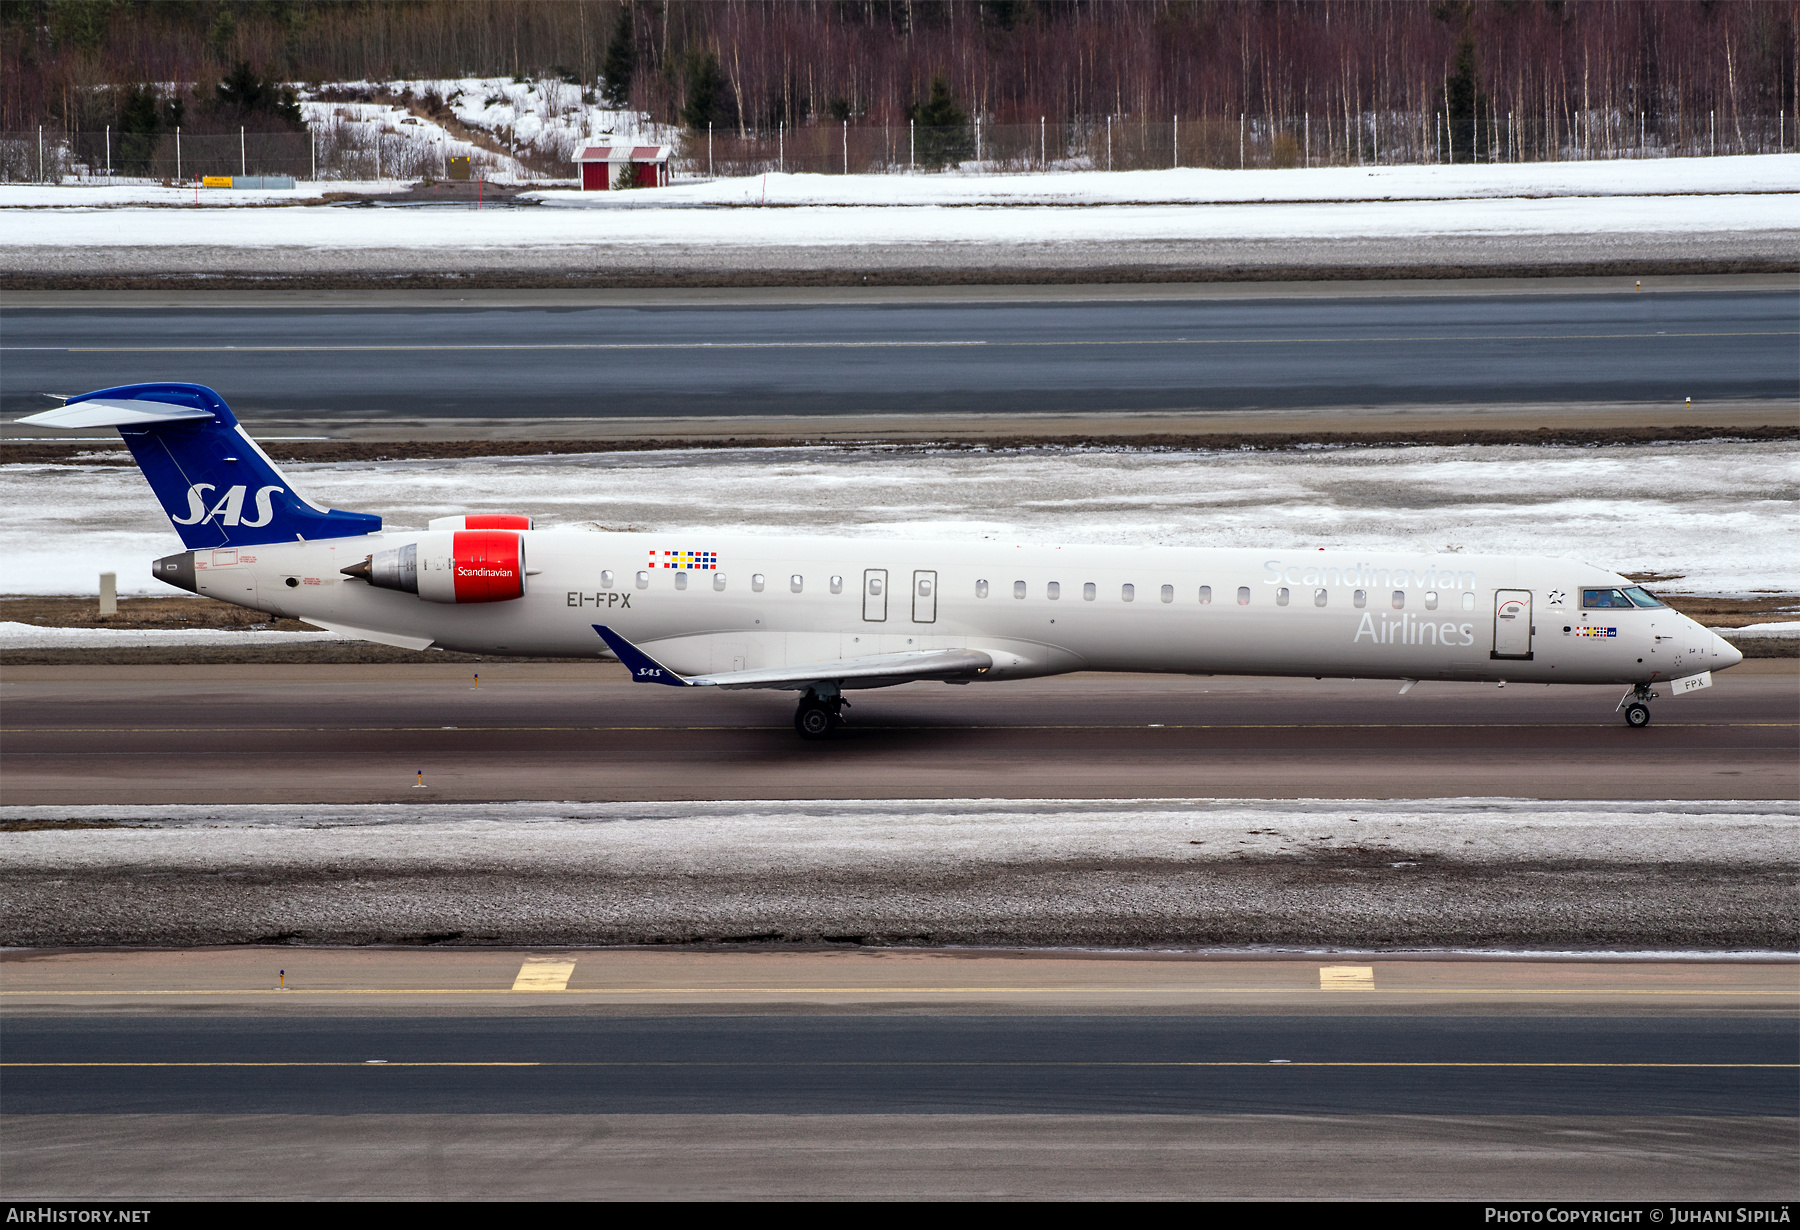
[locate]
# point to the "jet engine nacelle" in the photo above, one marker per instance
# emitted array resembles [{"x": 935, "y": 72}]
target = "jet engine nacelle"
[
  {"x": 461, "y": 566},
  {"x": 480, "y": 521}
]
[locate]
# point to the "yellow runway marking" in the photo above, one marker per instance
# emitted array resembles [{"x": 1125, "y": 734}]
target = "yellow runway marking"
[
  {"x": 1346, "y": 978},
  {"x": 899, "y": 1063},
  {"x": 543, "y": 974},
  {"x": 895, "y": 345}
]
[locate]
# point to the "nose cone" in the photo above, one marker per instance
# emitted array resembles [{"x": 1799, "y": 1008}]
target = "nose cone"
[{"x": 1724, "y": 653}]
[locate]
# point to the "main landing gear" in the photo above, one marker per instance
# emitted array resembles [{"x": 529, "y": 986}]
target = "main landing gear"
[
  {"x": 820, "y": 712},
  {"x": 1636, "y": 704}
]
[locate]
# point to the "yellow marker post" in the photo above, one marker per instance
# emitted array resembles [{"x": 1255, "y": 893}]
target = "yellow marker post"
[
  {"x": 282, "y": 984},
  {"x": 477, "y": 680},
  {"x": 420, "y": 784}
]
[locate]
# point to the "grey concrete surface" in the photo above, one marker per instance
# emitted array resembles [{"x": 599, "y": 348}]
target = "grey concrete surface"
[
  {"x": 1194, "y": 357},
  {"x": 317, "y": 982},
  {"x": 897, "y": 1157}
]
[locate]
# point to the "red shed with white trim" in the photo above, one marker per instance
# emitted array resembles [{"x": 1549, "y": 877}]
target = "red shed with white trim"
[{"x": 599, "y": 165}]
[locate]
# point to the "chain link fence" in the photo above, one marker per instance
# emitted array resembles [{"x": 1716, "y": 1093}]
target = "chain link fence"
[{"x": 335, "y": 150}]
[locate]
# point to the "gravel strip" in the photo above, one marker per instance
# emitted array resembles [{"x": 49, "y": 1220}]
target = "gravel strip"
[{"x": 1438, "y": 873}]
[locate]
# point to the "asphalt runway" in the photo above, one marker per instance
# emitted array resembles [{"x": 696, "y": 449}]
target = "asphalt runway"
[
  {"x": 294, "y": 734},
  {"x": 781, "y": 358},
  {"x": 894, "y": 1073},
  {"x": 774, "y": 1065}
]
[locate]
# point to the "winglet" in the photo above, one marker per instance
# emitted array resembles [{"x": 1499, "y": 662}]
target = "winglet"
[{"x": 643, "y": 667}]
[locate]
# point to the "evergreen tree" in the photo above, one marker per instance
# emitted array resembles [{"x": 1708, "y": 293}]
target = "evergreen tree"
[
  {"x": 139, "y": 125},
  {"x": 705, "y": 91},
  {"x": 942, "y": 133},
  {"x": 620, "y": 59},
  {"x": 250, "y": 95},
  {"x": 223, "y": 35},
  {"x": 1461, "y": 101}
]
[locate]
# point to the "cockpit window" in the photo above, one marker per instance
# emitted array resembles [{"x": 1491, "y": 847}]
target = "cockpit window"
[
  {"x": 1641, "y": 597},
  {"x": 1595, "y": 598}
]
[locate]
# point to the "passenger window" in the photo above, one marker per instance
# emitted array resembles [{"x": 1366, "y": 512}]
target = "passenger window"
[
  {"x": 1360, "y": 599},
  {"x": 719, "y": 582},
  {"x": 681, "y": 580},
  {"x": 1320, "y": 597},
  {"x": 1640, "y": 597},
  {"x": 606, "y": 578},
  {"x": 1168, "y": 593},
  {"x": 1243, "y": 595},
  {"x": 1018, "y": 589},
  {"x": 643, "y": 580},
  {"x": 1127, "y": 593},
  {"x": 1053, "y": 591},
  {"x": 1088, "y": 591},
  {"x": 1281, "y": 596},
  {"x": 837, "y": 585},
  {"x": 1206, "y": 595},
  {"x": 874, "y": 585},
  {"x": 924, "y": 586},
  {"x": 1431, "y": 599},
  {"x": 1594, "y": 599},
  {"x": 981, "y": 589},
  {"x": 1399, "y": 600},
  {"x": 756, "y": 581},
  {"x": 1468, "y": 601},
  {"x": 796, "y": 582}
]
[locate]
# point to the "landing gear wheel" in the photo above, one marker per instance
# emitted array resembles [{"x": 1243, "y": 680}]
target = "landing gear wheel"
[
  {"x": 814, "y": 720},
  {"x": 1637, "y": 714}
]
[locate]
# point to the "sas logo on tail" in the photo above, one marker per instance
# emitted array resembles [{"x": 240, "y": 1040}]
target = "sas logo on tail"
[{"x": 230, "y": 507}]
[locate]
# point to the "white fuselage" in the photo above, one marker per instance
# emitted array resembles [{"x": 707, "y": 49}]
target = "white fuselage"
[{"x": 1117, "y": 608}]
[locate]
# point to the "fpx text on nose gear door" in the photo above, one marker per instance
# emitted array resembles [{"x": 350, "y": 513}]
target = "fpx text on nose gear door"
[{"x": 1512, "y": 624}]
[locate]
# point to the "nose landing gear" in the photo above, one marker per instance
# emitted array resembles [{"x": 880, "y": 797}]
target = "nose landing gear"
[
  {"x": 819, "y": 713},
  {"x": 1636, "y": 704}
]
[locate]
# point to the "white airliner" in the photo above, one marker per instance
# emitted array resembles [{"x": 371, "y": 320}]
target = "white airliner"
[{"x": 823, "y": 616}]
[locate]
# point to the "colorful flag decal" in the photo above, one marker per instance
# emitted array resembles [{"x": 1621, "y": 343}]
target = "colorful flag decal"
[
  {"x": 1587, "y": 631},
  {"x": 687, "y": 561}
]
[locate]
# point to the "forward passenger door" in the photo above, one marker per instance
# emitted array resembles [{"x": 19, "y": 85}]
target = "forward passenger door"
[{"x": 1512, "y": 623}]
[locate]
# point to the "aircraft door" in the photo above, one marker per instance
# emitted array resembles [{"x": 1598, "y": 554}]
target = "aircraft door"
[
  {"x": 875, "y": 594},
  {"x": 924, "y": 597},
  {"x": 1512, "y": 624}
]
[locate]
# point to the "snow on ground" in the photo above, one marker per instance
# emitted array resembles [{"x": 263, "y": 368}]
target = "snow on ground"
[
  {"x": 588, "y": 234},
  {"x": 1722, "y": 514},
  {"x": 547, "y": 114},
  {"x": 1776, "y": 173},
  {"x": 1732, "y": 176},
  {"x": 96, "y": 194},
  {"x": 1666, "y": 198},
  {"x": 29, "y": 636}
]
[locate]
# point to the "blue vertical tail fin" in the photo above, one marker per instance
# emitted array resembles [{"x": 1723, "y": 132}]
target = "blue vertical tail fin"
[{"x": 218, "y": 487}]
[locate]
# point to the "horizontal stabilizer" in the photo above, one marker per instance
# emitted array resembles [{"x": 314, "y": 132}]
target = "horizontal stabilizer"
[
  {"x": 366, "y": 634},
  {"x": 98, "y": 412}
]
